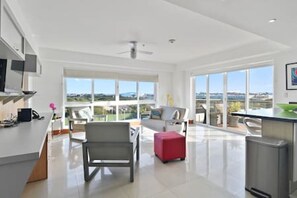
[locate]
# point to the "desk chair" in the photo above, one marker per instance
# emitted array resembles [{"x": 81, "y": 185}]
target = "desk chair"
[{"x": 254, "y": 126}]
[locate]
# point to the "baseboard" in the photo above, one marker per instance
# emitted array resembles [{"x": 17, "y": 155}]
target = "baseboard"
[{"x": 59, "y": 132}]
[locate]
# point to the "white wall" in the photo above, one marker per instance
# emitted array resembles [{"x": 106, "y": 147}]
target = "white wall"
[
  {"x": 281, "y": 94},
  {"x": 49, "y": 85}
]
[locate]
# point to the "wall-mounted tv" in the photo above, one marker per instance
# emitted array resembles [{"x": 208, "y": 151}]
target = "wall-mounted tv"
[{"x": 11, "y": 76}]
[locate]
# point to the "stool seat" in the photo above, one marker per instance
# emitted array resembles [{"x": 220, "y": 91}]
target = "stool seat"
[{"x": 169, "y": 146}]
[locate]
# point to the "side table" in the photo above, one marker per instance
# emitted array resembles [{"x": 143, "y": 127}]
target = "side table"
[{"x": 57, "y": 120}]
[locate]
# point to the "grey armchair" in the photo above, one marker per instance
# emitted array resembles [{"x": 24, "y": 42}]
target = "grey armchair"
[{"x": 109, "y": 144}]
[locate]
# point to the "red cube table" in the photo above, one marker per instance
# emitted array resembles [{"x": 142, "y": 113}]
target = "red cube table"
[{"x": 169, "y": 145}]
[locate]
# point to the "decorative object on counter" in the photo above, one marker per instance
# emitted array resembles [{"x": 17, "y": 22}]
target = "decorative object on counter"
[
  {"x": 291, "y": 76},
  {"x": 287, "y": 107},
  {"x": 53, "y": 107}
]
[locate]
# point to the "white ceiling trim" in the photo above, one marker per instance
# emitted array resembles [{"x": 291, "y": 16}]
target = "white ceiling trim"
[{"x": 91, "y": 60}]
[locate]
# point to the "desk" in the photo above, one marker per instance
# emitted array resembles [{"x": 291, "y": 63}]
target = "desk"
[
  {"x": 279, "y": 124},
  {"x": 20, "y": 148}
]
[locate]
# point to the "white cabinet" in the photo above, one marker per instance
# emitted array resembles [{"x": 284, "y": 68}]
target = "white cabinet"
[{"x": 12, "y": 43}]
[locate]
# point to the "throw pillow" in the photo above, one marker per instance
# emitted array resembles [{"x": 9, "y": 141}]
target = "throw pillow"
[
  {"x": 156, "y": 113},
  {"x": 175, "y": 115}
]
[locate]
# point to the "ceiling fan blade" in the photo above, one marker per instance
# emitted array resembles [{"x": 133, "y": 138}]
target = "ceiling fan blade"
[
  {"x": 123, "y": 52},
  {"x": 145, "y": 52}
]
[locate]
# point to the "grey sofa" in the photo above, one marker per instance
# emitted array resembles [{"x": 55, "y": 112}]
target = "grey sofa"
[
  {"x": 109, "y": 144},
  {"x": 168, "y": 120}
]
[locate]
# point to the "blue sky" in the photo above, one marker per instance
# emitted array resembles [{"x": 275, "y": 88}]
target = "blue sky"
[
  {"x": 261, "y": 80},
  {"x": 106, "y": 86}
]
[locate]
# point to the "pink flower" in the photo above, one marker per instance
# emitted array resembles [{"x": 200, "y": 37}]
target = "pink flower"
[{"x": 52, "y": 106}]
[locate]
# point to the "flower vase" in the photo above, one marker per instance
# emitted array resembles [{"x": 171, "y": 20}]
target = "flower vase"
[{"x": 54, "y": 115}]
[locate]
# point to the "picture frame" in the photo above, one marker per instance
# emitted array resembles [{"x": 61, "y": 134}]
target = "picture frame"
[{"x": 291, "y": 76}]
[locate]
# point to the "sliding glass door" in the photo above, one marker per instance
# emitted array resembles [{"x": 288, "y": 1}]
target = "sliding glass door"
[
  {"x": 236, "y": 97},
  {"x": 200, "y": 99},
  {"x": 216, "y": 93}
]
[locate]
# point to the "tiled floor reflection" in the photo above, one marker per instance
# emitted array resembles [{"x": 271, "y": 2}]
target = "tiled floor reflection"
[{"x": 214, "y": 167}]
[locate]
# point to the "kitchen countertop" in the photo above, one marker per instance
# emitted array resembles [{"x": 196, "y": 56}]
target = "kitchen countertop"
[
  {"x": 271, "y": 114},
  {"x": 24, "y": 141}
]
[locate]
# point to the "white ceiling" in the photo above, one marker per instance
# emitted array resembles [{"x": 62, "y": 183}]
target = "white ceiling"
[
  {"x": 251, "y": 16},
  {"x": 106, "y": 26}
]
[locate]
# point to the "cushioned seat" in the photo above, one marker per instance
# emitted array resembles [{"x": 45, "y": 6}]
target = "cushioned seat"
[{"x": 169, "y": 145}]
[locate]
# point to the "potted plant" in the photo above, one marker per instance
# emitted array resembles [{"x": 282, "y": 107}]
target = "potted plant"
[{"x": 233, "y": 120}]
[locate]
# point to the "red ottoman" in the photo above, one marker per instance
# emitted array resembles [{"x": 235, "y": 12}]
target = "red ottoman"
[{"x": 169, "y": 145}]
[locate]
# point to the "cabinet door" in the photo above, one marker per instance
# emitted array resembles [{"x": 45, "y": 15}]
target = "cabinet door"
[{"x": 10, "y": 33}]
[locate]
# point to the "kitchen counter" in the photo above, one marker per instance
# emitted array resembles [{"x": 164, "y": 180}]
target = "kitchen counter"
[
  {"x": 279, "y": 124},
  {"x": 20, "y": 148},
  {"x": 271, "y": 114}
]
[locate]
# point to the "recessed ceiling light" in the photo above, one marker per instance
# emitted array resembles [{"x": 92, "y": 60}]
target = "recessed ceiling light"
[
  {"x": 171, "y": 40},
  {"x": 272, "y": 20}
]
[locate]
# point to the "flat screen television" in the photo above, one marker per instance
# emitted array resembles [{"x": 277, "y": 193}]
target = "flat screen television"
[{"x": 11, "y": 76}]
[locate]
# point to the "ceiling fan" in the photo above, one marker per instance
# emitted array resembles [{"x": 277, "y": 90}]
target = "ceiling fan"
[{"x": 133, "y": 50}]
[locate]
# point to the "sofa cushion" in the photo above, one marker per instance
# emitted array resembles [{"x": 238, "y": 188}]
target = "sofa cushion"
[
  {"x": 157, "y": 125},
  {"x": 156, "y": 113}
]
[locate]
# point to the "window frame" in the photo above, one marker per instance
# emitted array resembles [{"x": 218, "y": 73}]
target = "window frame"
[{"x": 117, "y": 102}]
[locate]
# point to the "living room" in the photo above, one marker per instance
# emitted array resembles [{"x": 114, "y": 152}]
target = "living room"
[{"x": 95, "y": 40}]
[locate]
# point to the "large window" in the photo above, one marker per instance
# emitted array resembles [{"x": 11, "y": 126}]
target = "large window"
[
  {"x": 78, "y": 90},
  {"x": 127, "y": 112},
  {"x": 110, "y": 99},
  {"x": 146, "y": 91},
  {"x": 102, "y": 113},
  {"x": 127, "y": 90},
  {"x": 104, "y": 90}
]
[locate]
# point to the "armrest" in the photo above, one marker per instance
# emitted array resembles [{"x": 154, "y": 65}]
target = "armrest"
[
  {"x": 72, "y": 120},
  {"x": 100, "y": 116},
  {"x": 135, "y": 133},
  {"x": 78, "y": 119},
  {"x": 176, "y": 121}
]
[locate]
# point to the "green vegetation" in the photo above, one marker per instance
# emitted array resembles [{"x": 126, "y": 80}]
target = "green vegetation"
[
  {"x": 234, "y": 107},
  {"x": 103, "y": 97},
  {"x": 79, "y": 98}
]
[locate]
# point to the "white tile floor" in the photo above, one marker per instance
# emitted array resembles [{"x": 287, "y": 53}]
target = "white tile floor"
[{"x": 214, "y": 167}]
